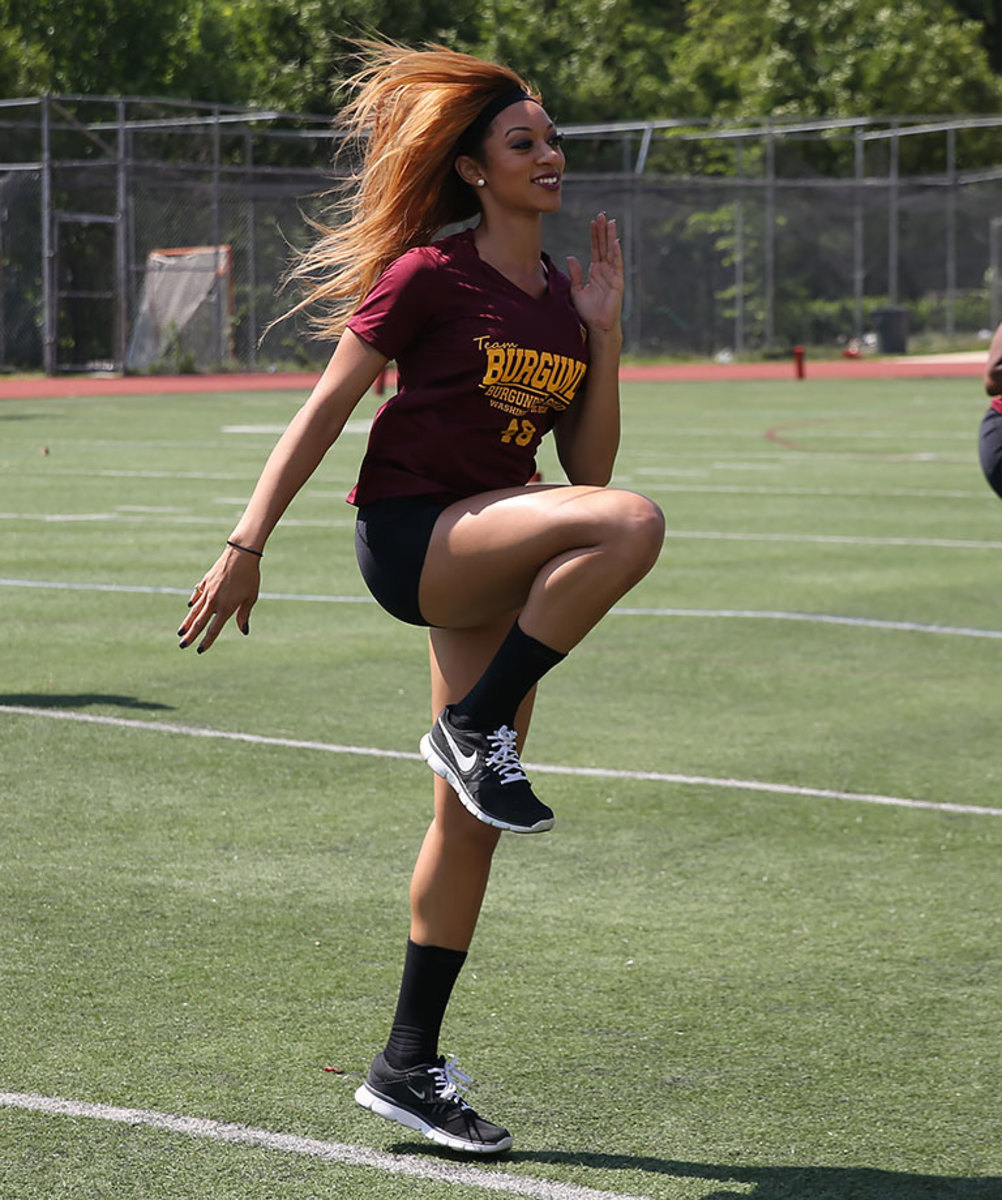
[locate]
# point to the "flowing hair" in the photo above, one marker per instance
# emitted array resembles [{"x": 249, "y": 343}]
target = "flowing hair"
[{"x": 408, "y": 110}]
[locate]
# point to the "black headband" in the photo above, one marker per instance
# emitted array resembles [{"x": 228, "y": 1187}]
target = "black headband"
[{"x": 472, "y": 135}]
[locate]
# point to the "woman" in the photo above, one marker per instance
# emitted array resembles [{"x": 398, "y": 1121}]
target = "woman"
[{"x": 494, "y": 347}]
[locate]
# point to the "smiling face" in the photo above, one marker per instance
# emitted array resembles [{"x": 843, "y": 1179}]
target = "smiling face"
[{"x": 521, "y": 160}]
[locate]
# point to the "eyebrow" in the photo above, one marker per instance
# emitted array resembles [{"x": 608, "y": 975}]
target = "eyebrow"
[{"x": 526, "y": 129}]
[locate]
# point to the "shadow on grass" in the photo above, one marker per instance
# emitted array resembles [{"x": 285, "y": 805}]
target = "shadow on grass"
[
  {"x": 767, "y": 1183},
  {"x": 78, "y": 700}
]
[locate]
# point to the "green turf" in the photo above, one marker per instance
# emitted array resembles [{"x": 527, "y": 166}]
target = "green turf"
[{"x": 688, "y": 991}]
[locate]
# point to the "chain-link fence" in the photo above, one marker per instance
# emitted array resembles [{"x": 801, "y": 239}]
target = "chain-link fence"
[{"x": 738, "y": 238}]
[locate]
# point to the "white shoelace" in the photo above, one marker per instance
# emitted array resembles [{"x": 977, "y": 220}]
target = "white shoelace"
[
  {"x": 450, "y": 1081},
  {"x": 504, "y": 755}
]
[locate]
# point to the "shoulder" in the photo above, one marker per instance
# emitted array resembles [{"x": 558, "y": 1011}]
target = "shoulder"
[{"x": 423, "y": 263}]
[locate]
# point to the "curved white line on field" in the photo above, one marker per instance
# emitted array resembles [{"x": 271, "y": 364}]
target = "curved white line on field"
[
  {"x": 834, "y": 539},
  {"x": 336, "y": 1152},
  {"x": 743, "y": 614},
  {"x": 748, "y": 785},
  {"x": 752, "y": 614}
]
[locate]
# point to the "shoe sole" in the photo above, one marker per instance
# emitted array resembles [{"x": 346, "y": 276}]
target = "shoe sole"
[
  {"x": 442, "y": 768},
  {"x": 392, "y": 1112}
]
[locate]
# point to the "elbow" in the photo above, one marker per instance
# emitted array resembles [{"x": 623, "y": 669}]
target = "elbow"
[{"x": 593, "y": 476}]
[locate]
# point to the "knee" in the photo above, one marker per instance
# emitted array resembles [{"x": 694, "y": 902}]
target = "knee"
[
  {"x": 463, "y": 837},
  {"x": 640, "y": 528}
]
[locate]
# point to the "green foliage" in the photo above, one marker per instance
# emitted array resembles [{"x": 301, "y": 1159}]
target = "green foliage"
[
  {"x": 831, "y": 58},
  {"x": 24, "y": 65},
  {"x": 593, "y": 59}
]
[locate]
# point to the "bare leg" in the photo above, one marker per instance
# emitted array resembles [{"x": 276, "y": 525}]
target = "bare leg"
[
  {"x": 561, "y": 555},
  {"x": 558, "y": 559},
  {"x": 454, "y": 863}
]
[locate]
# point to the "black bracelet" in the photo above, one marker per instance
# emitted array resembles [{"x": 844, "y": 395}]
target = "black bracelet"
[{"x": 246, "y": 549}]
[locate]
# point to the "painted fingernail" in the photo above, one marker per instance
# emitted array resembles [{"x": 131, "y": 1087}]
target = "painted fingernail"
[
  {"x": 180, "y": 632},
  {"x": 181, "y": 645},
  {"x": 245, "y": 628},
  {"x": 200, "y": 650}
]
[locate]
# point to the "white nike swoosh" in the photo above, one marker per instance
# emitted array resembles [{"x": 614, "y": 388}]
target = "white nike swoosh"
[{"x": 466, "y": 762}]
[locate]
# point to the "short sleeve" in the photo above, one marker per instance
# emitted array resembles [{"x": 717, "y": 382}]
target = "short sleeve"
[{"x": 399, "y": 305}]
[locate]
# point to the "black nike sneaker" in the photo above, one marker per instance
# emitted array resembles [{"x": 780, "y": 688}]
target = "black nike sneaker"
[
  {"x": 429, "y": 1099},
  {"x": 485, "y": 771}
]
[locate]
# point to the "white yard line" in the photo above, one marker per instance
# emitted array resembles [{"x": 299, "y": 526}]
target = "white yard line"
[
  {"x": 748, "y": 785},
  {"x": 833, "y": 539},
  {"x": 738, "y": 614},
  {"x": 817, "y": 539},
  {"x": 342, "y": 1153}
]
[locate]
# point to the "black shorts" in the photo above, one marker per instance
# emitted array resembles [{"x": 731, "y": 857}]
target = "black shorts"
[
  {"x": 391, "y": 541},
  {"x": 990, "y": 448}
]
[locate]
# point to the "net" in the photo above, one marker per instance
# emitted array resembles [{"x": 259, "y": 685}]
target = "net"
[{"x": 185, "y": 316}]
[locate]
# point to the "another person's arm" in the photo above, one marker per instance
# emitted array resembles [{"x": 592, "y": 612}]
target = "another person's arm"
[{"x": 993, "y": 367}]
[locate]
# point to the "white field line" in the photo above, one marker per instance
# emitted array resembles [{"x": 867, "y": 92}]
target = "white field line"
[
  {"x": 342, "y": 1153},
  {"x": 815, "y": 539},
  {"x": 811, "y": 618},
  {"x": 649, "y": 478},
  {"x": 748, "y": 785},
  {"x": 740, "y": 614},
  {"x": 130, "y": 517},
  {"x": 735, "y": 489},
  {"x": 146, "y": 590},
  {"x": 833, "y": 539}
]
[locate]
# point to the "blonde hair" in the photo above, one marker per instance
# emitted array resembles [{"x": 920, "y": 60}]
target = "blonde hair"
[{"x": 408, "y": 110}]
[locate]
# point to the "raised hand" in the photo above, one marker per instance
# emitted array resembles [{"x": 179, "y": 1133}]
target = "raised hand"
[{"x": 599, "y": 298}]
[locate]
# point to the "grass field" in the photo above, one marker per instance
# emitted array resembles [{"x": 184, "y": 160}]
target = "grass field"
[{"x": 758, "y": 956}]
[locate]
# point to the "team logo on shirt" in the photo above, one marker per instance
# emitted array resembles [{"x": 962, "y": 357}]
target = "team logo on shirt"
[{"x": 518, "y": 380}]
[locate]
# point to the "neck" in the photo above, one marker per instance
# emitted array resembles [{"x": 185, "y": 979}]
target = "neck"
[{"x": 512, "y": 243}]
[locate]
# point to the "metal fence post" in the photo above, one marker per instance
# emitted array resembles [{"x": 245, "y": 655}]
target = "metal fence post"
[
  {"x": 892, "y": 219},
  {"x": 217, "y": 229},
  {"x": 48, "y": 252},
  {"x": 951, "y": 230},
  {"x": 739, "y": 254},
  {"x": 770, "y": 237},
  {"x": 249, "y": 205},
  {"x": 858, "y": 261},
  {"x": 121, "y": 268}
]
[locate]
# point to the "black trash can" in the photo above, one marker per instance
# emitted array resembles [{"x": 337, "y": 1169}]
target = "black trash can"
[{"x": 891, "y": 327}]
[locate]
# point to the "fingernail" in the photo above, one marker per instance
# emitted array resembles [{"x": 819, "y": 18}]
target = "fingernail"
[
  {"x": 200, "y": 650},
  {"x": 181, "y": 645},
  {"x": 190, "y": 603},
  {"x": 245, "y": 628},
  {"x": 180, "y": 632}
]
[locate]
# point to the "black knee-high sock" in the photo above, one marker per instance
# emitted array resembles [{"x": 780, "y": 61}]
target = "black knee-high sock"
[
  {"x": 430, "y": 972},
  {"x": 520, "y": 662}
]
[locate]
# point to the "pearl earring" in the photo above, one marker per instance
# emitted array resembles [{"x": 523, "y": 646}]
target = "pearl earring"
[{"x": 481, "y": 183}]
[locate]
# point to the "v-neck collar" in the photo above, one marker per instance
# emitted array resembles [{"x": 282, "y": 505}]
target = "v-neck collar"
[{"x": 544, "y": 259}]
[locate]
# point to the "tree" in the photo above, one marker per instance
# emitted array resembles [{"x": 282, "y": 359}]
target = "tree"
[
  {"x": 594, "y": 60},
  {"x": 830, "y": 58}
]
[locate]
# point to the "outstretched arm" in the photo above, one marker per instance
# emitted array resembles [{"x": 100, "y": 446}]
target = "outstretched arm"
[
  {"x": 587, "y": 436},
  {"x": 231, "y": 584}
]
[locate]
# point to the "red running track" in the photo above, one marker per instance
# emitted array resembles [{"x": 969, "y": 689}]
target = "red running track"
[{"x": 947, "y": 366}]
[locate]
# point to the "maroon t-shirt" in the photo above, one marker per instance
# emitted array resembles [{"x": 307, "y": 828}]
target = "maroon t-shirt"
[{"x": 483, "y": 369}]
